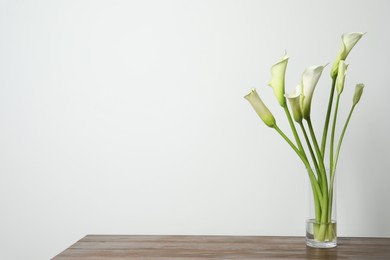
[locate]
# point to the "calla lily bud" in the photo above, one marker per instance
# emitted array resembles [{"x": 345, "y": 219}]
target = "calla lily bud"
[
  {"x": 277, "y": 79},
  {"x": 310, "y": 77},
  {"x": 358, "y": 93},
  {"x": 295, "y": 103},
  {"x": 341, "y": 76},
  {"x": 348, "y": 42},
  {"x": 260, "y": 108}
]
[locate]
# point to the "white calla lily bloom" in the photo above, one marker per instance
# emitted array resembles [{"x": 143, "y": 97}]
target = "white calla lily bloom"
[
  {"x": 341, "y": 76},
  {"x": 349, "y": 40},
  {"x": 310, "y": 78},
  {"x": 295, "y": 103},
  {"x": 358, "y": 93},
  {"x": 260, "y": 108},
  {"x": 278, "y": 71}
]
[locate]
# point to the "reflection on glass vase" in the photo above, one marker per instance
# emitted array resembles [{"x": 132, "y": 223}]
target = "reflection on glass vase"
[{"x": 321, "y": 225}]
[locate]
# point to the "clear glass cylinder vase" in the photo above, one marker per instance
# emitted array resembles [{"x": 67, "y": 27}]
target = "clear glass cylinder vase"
[{"x": 321, "y": 217}]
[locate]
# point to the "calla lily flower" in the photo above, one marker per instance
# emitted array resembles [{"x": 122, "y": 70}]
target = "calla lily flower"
[
  {"x": 349, "y": 40},
  {"x": 260, "y": 108},
  {"x": 295, "y": 103},
  {"x": 277, "y": 79},
  {"x": 310, "y": 77},
  {"x": 358, "y": 93},
  {"x": 341, "y": 76}
]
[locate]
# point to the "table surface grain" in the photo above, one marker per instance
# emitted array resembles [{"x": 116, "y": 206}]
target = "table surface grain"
[{"x": 119, "y": 247}]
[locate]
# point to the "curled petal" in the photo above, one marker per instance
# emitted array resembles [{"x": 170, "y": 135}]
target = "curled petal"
[
  {"x": 310, "y": 78},
  {"x": 342, "y": 71},
  {"x": 358, "y": 93},
  {"x": 260, "y": 108},
  {"x": 277, "y": 79},
  {"x": 349, "y": 40},
  {"x": 294, "y": 99}
]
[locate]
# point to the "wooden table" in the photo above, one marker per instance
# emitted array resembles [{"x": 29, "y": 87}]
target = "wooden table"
[{"x": 121, "y": 247}]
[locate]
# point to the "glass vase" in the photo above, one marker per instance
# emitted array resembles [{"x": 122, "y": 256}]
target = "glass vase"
[{"x": 321, "y": 221}]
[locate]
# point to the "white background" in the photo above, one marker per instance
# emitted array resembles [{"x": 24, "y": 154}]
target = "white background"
[{"x": 128, "y": 117}]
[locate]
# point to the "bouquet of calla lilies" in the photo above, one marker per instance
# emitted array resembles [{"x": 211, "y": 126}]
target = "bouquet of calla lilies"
[{"x": 321, "y": 174}]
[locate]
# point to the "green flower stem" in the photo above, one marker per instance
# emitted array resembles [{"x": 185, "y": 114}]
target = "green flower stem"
[
  {"x": 319, "y": 156},
  {"x": 326, "y": 126},
  {"x": 299, "y": 153},
  {"x": 342, "y": 137},
  {"x": 318, "y": 198},
  {"x": 324, "y": 209},
  {"x": 294, "y": 130},
  {"x": 317, "y": 202},
  {"x": 335, "y": 160},
  {"x": 331, "y": 156},
  {"x": 333, "y": 132},
  {"x": 330, "y": 196},
  {"x": 313, "y": 157},
  {"x": 311, "y": 175}
]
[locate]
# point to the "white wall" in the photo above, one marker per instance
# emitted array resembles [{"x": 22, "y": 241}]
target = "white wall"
[{"x": 128, "y": 117}]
